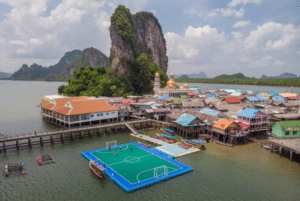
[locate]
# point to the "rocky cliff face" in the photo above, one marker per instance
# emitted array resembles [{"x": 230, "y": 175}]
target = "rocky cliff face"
[
  {"x": 132, "y": 35},
  {"x": 150, "y": 39},
  {"x": 89, "y": 57}
]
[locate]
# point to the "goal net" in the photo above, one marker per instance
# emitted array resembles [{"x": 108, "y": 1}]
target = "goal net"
[
  {"x": 111, "y": 144},
  {"x": 160, "y": 171}
]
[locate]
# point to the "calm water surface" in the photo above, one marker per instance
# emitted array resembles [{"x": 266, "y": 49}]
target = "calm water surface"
[{"x": 220, "y": 173}]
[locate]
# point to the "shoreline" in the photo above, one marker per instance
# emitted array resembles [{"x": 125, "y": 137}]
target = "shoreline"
[{"x": 190, "y": 81}]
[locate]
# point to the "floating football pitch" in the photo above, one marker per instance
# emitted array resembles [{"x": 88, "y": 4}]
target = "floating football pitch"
[{"x": 135, "y": 166}]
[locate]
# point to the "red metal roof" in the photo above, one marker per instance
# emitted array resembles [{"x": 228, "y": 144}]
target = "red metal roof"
[
  {"x": 231, "y": 100},
  {"x": 244, "y": 126}
]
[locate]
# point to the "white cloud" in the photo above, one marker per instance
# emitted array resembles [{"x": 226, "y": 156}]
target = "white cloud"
[
  {"x": 279, "y": 63},
  {"x": 273, "y": 36},
  {"x": 241, "y": 24},
  {"x": 231, "y": 8},
  {"x": 73, "y": 24},
  {"x": 235, "y": 3},
  {"x": 207, "y": 49},
  {"x": 237, "y": 35},
  {"x": 198, "y": 32}
]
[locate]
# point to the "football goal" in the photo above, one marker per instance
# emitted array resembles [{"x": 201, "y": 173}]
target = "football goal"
[
  {"x": 160, "y": 171},
  {"x": 111, "y": 143}
]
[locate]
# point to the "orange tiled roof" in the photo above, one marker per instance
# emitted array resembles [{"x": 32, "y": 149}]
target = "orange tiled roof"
[
  {"x": 91, "y": 106},
  {"x": 223, "y": 124},
  {"x": 48, "y": 106},
  {"x": 288, "y": 95},
  {"x": 60, "y": 102}
]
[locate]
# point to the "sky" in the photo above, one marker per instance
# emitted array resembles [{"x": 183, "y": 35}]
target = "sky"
[{"x": 254, "y": 37}]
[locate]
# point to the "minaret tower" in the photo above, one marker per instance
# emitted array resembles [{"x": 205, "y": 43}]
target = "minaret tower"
[{"x": 156, "y": 84}]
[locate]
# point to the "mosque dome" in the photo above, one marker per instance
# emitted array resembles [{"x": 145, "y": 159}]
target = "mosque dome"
[
  {"x": 172, "y": 75},
  {"x": 156, "y": 74}
]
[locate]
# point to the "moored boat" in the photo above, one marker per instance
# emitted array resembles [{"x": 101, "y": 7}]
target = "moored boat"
[
  {"x": 224, "y": 144},
  {"x": 97, "y": 169}
]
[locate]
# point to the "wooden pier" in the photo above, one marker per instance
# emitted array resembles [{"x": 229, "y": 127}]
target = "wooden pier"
[
  {"x": 283, "y": 145},
  {"x": 62, "y": 135}
]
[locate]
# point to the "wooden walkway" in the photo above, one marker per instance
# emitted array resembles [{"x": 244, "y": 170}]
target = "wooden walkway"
[
  {"x": 290, "y": 145},
  {"x": 39, "y": 139}
]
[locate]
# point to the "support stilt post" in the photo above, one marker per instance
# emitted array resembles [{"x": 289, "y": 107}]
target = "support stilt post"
[
  {"x": 41, "y": 141},
  {"x": 29, "y": 143},
  {"x": 18, "y": 144},
  {"x": 52, "y": 139}
]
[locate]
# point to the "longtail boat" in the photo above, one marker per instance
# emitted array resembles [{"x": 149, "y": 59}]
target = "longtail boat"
[{"x": 97, "y": 169}]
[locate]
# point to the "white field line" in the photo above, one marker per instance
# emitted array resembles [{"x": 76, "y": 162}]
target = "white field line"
[{"x": 127, "y": 162}]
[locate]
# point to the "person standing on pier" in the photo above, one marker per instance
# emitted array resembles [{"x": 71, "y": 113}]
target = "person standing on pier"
[
  {"x": 116, "y": 152},
  {"x": 120, "y": 148}
]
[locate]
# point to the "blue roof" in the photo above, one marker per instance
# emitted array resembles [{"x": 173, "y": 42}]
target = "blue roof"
[
  {"x": 209, "y": 112},
  {"x": 185, "y": 119},
  {"x": 194, "y": 141},
  {"x": 238, "y": 90},
  {"x": 248, "y": 112},
  {"x": 249, "y": 92},
  {"x": 210, "y": 98},
  {"x": 170, "y": 136},
  {"x": 261, "y": 97},
  {"x": 274, "y": 92},
  {"x": 164, "y": 97},
  {"x": 252, "y": 98}
]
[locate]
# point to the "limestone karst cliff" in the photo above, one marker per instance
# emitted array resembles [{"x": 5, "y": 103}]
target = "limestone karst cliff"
[{"x": 132, "y": 35}]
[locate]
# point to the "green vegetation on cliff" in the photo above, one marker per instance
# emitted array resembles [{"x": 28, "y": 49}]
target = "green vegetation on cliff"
[
  {"x": 142, "y": 74},
  {"x": 93, "y": 81},
  {"x": 122, "y": 22},
  {"x": 250, "y": 81}
]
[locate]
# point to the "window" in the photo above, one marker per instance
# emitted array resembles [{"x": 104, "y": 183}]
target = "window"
[
  {"x": 295, "y": 133},
  {"x": 287, "y": 133},
  {"x": 92, "y": 115},
  {"x": 101, "y": 114},
  {"x": 107, "y": 113},
  {"x": 98, "y": 115}
]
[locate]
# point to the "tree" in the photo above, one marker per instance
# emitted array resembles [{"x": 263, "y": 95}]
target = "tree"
[{"x": 61, "y": 89}]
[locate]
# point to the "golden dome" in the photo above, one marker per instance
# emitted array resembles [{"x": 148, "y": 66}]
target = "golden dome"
[
  {"x": 172, "y": 75},
  {"x": 156, "y": 74},
  {"x": 170, "y": 84},
  {"x": 185, "y": 86}
]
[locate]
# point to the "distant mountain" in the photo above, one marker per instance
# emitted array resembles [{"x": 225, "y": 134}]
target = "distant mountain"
[
  {"x": 233, "y": 76},
  {"x": 37, "y": 71},
  {"x": 283, "y": 75},
  {"x": 4, "y": 75},
  {"x": 90, "y": 57},
  {"x": 199, "y": 75},
  {"x": 184, "y": 76}
]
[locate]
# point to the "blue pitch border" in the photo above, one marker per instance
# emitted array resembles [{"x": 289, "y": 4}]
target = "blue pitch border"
[{"x": 127, "y": 186}]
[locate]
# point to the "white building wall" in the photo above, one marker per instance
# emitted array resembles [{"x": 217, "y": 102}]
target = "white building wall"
[{"x": 104, "y": 115}]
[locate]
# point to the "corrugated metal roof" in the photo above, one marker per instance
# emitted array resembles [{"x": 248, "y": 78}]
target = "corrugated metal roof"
[
  {"x": 209, "y": 112},
  {"x": 185, "y": 119},
  {"x": 261, "y": 97},
  {"x": 248, "y": 112},
  {"x": 252, "y": 98}
]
